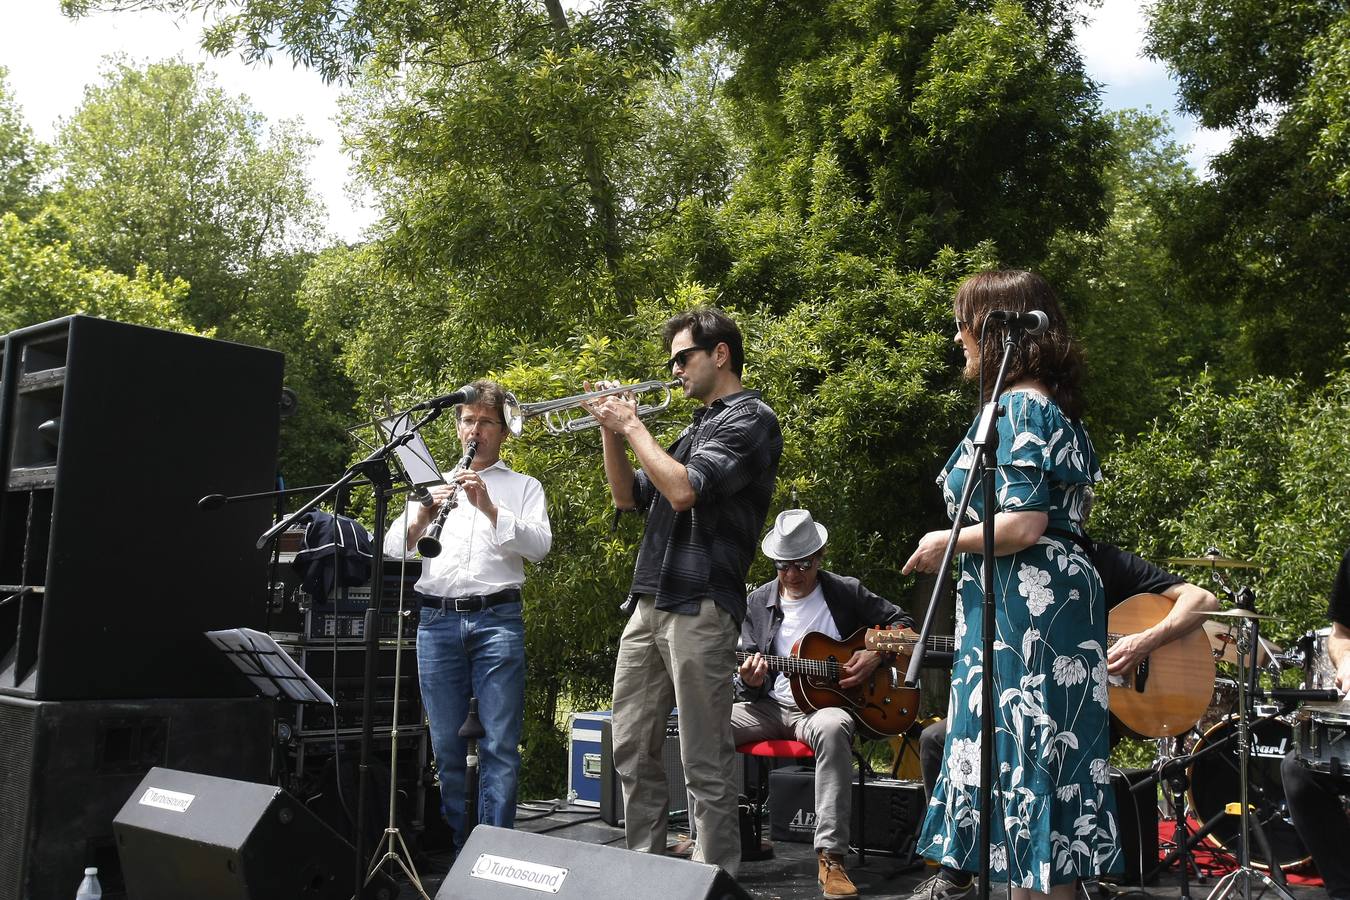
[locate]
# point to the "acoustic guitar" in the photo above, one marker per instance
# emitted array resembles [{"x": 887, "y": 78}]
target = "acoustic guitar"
[
  {"x": 881, "y": 705},
  {"x": 1165, "y": 694}
]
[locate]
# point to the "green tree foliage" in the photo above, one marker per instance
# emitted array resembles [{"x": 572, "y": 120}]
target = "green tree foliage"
[
  {"x": 161, "y": 170},
  {"x": 41, "y": 279},
  {"x": 1258, "y": 474},
  {"x": 1267, "y": 237},
  {"x": 1122, "y": 289},
  {"x": 23, "y": 160},
  {"x": 941, "y": 123}
]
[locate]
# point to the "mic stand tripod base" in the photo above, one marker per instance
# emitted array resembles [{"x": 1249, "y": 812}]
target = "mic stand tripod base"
[
  {"x": 391, "y": 851},
  {"x": 1239, "y": 883}
]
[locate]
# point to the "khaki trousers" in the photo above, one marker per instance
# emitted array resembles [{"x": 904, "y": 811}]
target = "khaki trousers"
[{"x": 668, "y": 659}]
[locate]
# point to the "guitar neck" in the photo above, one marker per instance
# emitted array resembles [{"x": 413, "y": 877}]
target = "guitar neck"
[{"x": 795, "y": 665}]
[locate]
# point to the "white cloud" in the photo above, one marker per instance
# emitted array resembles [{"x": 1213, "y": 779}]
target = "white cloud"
[
  {"x": 1112, "y": 43},
  {"x": 51, "y": 59}
]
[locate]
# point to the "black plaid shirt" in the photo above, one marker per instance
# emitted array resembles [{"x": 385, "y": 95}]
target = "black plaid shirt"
[{"x": 731, "y": 452}]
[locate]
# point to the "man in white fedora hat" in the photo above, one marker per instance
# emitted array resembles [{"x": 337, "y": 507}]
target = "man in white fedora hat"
[{"x": 806, "y": 598}]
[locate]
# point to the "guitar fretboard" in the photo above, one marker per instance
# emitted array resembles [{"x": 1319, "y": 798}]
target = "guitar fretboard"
[{"x": 795, "y": 665}]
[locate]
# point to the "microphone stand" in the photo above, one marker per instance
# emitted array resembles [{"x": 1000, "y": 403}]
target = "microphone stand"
[
  {"x": 375, "y": 467},
  {"x": 986, "y": 444}
]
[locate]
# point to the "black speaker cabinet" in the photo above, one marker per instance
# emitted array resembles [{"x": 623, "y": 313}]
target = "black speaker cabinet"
[
  {"x": 1137, "y": 816},
  {"x": 501, "y": 864},
  {"x": 109, "y": 434},
  {"x": 70, "y": 765},
  {"x": 185, "y": 835}
]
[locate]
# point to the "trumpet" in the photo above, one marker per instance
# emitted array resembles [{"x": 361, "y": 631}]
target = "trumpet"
[{"x": 555, "y": 413}]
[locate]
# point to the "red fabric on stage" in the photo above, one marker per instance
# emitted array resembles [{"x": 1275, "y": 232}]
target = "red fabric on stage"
[{"x": 1212, "y": 860}]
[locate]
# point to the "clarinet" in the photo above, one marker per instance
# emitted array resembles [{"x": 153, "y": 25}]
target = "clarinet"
[{"x": 429, "y": 544}]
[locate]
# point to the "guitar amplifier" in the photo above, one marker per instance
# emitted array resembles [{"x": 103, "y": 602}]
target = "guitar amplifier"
[
  {"x": 892, "y": 811},
  {"x": 611, "y": 793}
]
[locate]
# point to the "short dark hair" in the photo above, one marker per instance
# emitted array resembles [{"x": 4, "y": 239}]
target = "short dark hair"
[
  {"x": 1052, "y": 356},
  {"x": 490, "y": 394},
  {"x": 708, "y": 327}
]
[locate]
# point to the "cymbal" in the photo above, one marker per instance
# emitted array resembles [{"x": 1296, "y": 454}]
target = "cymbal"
[
  {"x": 1223, "y": 641},
  {"x": 1211, "y": 562}
]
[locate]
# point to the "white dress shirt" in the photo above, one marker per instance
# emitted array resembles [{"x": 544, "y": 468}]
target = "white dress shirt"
[{"x": 477, "y": 558}]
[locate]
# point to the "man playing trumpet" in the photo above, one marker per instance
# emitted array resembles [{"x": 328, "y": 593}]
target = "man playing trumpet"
[{"x": 706, "y": 499}]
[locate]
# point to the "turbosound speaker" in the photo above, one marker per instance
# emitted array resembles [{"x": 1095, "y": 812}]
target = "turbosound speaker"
[
  {"x": 501, "y": 864},
  {"x": 109, "y": 435},
  {"x": 186, "y": 835},
  {"x": 70, "y": 765}
]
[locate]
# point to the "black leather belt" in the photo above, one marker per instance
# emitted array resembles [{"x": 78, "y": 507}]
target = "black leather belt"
[{"x": 475, "y": 603}]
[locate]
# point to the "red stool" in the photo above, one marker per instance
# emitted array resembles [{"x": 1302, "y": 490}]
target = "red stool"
[{"x": 763, "y": 751}]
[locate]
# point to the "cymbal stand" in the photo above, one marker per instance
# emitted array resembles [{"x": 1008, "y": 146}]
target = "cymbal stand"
[{"x": 1245, "y": 874}]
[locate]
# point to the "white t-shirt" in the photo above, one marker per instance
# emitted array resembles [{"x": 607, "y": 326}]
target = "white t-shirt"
[{"x": 810, "y": 613}]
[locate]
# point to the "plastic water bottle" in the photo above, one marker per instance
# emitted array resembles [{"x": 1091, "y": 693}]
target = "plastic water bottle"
[{"x": 90, "y": 889}]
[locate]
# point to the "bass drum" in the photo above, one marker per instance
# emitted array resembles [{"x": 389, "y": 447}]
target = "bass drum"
[{"x": 1214, "y": 785}]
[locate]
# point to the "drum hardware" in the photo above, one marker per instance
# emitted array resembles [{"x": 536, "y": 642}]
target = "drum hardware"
[
  {"x": 1211, "y": 560},
  {"x": 1223, "y": 642},
  {"x": 1245, "y": 874}
]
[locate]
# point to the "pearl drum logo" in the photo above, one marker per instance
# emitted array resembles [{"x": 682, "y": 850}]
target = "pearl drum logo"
[{"x": 520, "y": 873}]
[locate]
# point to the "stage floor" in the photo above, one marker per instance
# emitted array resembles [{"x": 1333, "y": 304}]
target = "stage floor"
[{"x": 791, "y": 873}]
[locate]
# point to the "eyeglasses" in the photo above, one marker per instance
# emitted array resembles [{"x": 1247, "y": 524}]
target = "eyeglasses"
[
  {"x": 962, "y": 325},
  {"x": 801, "y": 565},
  {"x": 484, "y": 423},
  {"x": 681, "y": 359}
]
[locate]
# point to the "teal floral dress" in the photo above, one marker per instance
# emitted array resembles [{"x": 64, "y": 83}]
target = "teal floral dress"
[{"x": 1055, "y": 819}]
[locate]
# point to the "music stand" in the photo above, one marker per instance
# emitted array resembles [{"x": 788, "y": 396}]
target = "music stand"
[{"x": 267, "y": 667}]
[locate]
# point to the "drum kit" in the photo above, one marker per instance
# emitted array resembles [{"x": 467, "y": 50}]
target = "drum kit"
[{"x": 1226, "y": 773}]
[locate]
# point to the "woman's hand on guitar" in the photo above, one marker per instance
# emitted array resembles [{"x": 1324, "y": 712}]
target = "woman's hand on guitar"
[
  {"x": 753, "y": 670},
  {"x": 1126, "y": 653},
  {"x": 859, "y": 668}
]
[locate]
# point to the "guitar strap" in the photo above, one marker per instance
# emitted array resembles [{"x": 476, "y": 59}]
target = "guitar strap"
[{"x": 1082, "y": 540}]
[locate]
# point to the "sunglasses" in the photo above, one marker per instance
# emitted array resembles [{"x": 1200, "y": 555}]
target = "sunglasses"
[
  {"x": 801, "y": 565},
  {"x": 681, "y": 359}
]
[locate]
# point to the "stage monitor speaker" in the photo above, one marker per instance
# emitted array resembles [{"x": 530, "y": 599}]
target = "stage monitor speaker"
[
  {"x": 501, "y": 864},
  {"x": 70, "y": 765},
  {"x": 185, "y": 835},
  {"x": 109, "y": 435},
  {"x": 1137, "y": 816},
  {"x": 611, "y": 792}
]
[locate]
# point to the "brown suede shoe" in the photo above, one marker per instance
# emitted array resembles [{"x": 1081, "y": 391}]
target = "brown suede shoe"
[{"x": 834, "y": 881}]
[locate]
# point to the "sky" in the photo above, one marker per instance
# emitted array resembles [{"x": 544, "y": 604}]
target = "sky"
[{"x": 51, "y": 59}]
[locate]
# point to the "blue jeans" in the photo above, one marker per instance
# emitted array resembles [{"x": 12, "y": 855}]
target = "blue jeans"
[{"x": 482, "y": 655}]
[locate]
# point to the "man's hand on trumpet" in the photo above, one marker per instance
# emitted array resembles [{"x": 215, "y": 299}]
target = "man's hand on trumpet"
[{"x": 616, "y": 413}]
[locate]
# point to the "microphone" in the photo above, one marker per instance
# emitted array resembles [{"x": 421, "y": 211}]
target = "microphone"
[
  {"x": 423, "y": 496},
  {"x": 1033, "y": 322},
  {"x": 466, "y": 394}
]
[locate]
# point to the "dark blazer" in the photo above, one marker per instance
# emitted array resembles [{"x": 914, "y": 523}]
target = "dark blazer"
[{"x": 851, "y": 605}]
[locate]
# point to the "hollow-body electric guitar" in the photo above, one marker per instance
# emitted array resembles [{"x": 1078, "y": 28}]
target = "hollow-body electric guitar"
[{"x": 882, "y": 704}]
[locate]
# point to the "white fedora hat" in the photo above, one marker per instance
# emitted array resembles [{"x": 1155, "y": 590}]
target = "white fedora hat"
[{"x": 795, "y": 535}]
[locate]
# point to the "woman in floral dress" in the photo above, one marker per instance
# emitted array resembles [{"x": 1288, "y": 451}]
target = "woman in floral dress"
[{"x": 1054, "y": 816}]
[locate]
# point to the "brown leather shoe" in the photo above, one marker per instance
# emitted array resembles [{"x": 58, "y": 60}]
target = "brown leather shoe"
[{"x": 834, "y": 881}]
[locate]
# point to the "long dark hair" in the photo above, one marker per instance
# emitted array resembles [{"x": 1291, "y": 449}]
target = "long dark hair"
[{"x": 1051, "y": 357}]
